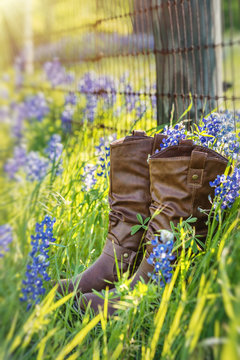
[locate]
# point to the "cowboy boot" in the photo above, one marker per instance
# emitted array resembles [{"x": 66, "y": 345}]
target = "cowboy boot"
[
  {"x": 129, "y": 194},
  {"x": 179, "y": 185}
]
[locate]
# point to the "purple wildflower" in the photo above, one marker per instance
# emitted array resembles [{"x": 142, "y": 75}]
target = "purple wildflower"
[
  {"x": 88, "y": 178},
  {"x": 36, "y": 167},
  {"x": 103, "y": 153},
  {"x": 19, "y": 114},
  {"x": 5, "y": 238},
  {"x": 54, "y": 152},
  {"x": 227, "y": 188},
  {"x": 71, "y": 98},
  {"x": 36, "y": 106},
  {"x": 161, "y": 257},
  {"x": 66, "y": 117},
  {"x": 57, "y": 74},
  {"x": 14, "y": 164},
  {"x": 36, "y": 273},
  {"x": 175, "y": 134}
]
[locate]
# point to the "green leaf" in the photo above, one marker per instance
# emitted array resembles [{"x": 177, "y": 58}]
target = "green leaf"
[
  {"x": 194, "y": 248},
  {"x": 200, "y": 243},
  {"x": 146, "y": 220},
  {"x": 188, "y": 109},
  {"x": 191, "y": 220},
  {"x": 140, "y": 219},
  {"x": 135, "y": 228}
]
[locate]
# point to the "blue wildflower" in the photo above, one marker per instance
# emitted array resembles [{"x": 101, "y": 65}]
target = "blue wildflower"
[
  {"x": 227, "y": 188},
  {"x": 218, "y": 132},
  {"x": 54, "y": 152},
  {"x": 57, "y": 74},
  {"x": 88, "y": 178},
  {"x": 90, "y": 110},
  {"x": 36, "y": 106},
  {"x": 67, "y": 117},
  {"x": 5, "y": 238},
  {"x": 36, "y": 166},
  {"x": 14, "y": 164},
  {"x": 161, "y": 257},
  {"x": 103, "y": 153},
  {"x": 175, "y": 134},
  {"x": 19, "y": 114},
  {"x": 71, "y": 98},
  {"x": 36, "y": 274},
  {"x": 94, "y": 88}
]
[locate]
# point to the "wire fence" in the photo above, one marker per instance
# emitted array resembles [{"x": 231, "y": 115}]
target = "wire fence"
[{"x": 147, "y": 60}]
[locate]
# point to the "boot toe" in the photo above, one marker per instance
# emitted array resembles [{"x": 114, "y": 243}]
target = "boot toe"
[{"x": 96, "y": 303}]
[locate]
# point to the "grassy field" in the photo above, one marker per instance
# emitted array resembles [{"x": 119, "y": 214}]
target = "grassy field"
[{"x": 196, "y": 316}]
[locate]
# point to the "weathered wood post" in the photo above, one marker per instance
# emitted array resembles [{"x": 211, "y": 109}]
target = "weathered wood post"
[{"x": 187, "y": 35}]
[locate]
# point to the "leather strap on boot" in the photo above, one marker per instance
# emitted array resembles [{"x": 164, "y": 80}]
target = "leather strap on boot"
[
  {"x": 139, "y": 133},
  {"x": 121, "y": 253},
  {"x": 196, "y": 168}
]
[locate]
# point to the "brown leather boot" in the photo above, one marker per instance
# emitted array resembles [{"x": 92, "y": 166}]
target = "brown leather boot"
[
  {"x": 179, "y": 183},
  {"x": 129, "y": 194}
]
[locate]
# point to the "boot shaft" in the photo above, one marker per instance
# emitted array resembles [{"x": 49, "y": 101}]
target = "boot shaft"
[
  {"x": 129, "y": 192},
  {"x": 179, "y": 177}
]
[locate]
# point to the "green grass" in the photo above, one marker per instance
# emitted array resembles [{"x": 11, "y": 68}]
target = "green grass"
[{"x": 196, "y": 316}]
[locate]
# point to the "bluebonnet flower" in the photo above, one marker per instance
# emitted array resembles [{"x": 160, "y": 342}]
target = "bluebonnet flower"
[
  {"x": 227, "y": 188},
  {"x": 54, "y": 148},
  {"x": 87, "y": 86},
  {"x": 36, "y": 166},
  {"x": 88, "y": 178},
  {"x": 14, "y": 164},
  {"x": 57, "y": 74},
  {"x": 218, "y": 132},
  {"x": 66, "y": 117},
  {"x": 5, "y": 238},
  {"x": 103, "y": 153},
  {"x": 36, "y": 106},
  {"x": 54, "y": 152},
  {"x": 71, "y": 98},
  {"x": 161, "y": 257},
  {"x": 176, "y": 133},
  {"x": 36, "y": 273},
  {"x": 87, "y": 83},
  {"x": 96, "y": 87},
  {"x": 90, "y": 110},
  {"x": 19, "y": 114}
]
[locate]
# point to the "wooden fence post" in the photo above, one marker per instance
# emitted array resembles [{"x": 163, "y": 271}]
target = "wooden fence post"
[{"x": 187, "y": 35}]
